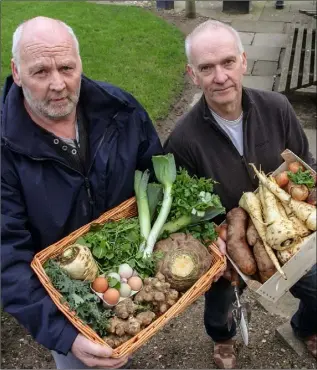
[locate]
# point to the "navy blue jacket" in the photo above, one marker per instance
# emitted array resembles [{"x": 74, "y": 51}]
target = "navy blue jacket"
[{"x": 44, "y": 199}]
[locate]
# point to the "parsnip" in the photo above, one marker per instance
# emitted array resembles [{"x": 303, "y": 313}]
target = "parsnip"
[
  {"x": 280, "y": 233},
  {"x": 251, "y": 204},
  {"x": 298, "y": 225},
  {"x": 302, "y": 210}
]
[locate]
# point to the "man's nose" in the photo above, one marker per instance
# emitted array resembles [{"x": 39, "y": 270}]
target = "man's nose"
[
  {"x": 220, "y": 75},
  {"x": 57, "y": 82}
]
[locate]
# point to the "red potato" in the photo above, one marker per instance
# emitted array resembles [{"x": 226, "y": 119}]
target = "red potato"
[{"x": 237, "y": 246}]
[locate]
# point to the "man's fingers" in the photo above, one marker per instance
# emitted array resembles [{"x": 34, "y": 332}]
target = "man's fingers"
[
  {"x": 221, "y": 245},
  {"x": 109, "y": 363},
  {"x": 98, "y": 350}
]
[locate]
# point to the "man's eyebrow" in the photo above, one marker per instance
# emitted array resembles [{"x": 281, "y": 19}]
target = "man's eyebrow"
[
  {"x": 66, "y": 61},
  {"x": 37, "y": 66}
]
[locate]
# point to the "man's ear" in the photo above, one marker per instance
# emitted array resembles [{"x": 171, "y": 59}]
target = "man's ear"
[
  {"x": 190, "y": 70},
  {"x": 244, "y": 62},
  {"x": 15, "y": 73}
]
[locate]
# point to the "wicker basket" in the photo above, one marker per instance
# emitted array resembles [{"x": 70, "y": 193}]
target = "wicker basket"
[{"x": 125, "y": 210}]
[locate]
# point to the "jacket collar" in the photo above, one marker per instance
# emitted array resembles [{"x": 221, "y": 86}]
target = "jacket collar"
[
  {"x": 19, "y": 131},
  {"x": 247, "y": 103}
]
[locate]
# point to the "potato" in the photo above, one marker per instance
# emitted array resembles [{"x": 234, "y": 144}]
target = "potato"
[
  {"x": 264, "y": 263},
  {"x": 237, "y": 247},
  {"x": 252, "y": 234}
]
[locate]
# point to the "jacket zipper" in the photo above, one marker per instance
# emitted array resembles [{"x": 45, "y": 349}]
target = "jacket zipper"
[{"x": 86, "y": 179}]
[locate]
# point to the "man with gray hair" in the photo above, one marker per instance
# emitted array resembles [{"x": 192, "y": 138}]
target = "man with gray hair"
[
  {"x": 228, "y": 128},
  {"x": 70, "y": 148}
]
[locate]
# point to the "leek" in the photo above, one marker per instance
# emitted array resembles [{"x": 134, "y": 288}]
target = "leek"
[
  {"x": 155, "y": 195},
  {"x": 165, "y": 172},
  {"x": 140, "y": 188}
]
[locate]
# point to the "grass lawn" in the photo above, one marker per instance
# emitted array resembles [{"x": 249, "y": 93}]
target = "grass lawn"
[{"x": 127, "y": 46}]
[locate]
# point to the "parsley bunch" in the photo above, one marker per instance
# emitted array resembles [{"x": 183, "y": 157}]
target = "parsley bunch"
[{"x": 302, "y": 178}]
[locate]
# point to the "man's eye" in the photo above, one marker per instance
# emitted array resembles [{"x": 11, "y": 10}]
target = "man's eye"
[
  {"x": 66, "y": 68},
  {"x": 205, "y": 68},
  {"x": 229, "y": 62},
  {"x": 40, "y": 72}
]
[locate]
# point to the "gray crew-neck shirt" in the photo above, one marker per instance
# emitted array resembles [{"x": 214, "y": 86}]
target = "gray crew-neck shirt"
[{"x": 234, "y": 129}]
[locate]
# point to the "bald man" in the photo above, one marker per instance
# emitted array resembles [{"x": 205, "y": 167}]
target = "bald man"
[
  {"x": 70, "y": 147},
  {"x": 229, "y": 127}
]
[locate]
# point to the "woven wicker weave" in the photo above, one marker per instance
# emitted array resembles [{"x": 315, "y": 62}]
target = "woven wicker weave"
[{"x": 125, "y": 210}]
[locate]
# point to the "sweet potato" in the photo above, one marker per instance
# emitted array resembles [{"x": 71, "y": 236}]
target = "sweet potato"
[
  {"x": 252, "y": 234},
  {"x": 237, "y": 247},
  {"x": 264, "y": 263}
]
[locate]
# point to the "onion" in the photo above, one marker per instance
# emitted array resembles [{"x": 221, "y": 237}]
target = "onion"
[
  {"x": 297, "y": 192},
  {"x": 295, "y": 166},
  {"x": 282, "y": 179}
]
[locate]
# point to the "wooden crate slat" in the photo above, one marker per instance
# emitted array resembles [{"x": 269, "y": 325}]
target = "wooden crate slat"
[
  {"x": 286, "y": 61},
  {"x": 299, "y": 42},
  {"x": 307, "y": 60}
]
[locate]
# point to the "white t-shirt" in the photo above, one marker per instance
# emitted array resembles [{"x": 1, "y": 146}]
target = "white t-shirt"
[{"x": 234, "y": 129}]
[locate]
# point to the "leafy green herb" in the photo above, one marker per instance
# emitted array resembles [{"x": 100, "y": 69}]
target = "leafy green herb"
[
  {"x": 192, "y": 193},
  {"x": 118, "y": 242},
  {"x": 80, "y": 298},
  {"x": 302, "y": 178}
]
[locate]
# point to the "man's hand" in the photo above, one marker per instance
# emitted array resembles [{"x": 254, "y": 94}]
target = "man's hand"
[
  {"x": 95, "y": 355},
  {"x": 221, "y": 244}
]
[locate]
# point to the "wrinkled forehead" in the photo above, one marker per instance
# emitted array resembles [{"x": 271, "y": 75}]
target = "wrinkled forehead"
[
  {"x": 219, "y": 43},
  {"x": 47, "y": 45}
]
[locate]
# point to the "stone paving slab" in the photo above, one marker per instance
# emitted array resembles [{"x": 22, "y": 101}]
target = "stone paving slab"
[
  {"x": 264, "y": 68},
  {"x": 302, "y": 4},
  {"x": 273, "y": 15},
  {"x": 285, "y": 333},
  {"x": 270, "y": 39},
  {"x": 262, "y": 53},
  {"x": 259, "y": 82},
  {"x": 260, "y": 26},
  {"x": 246, "y": 37}
]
